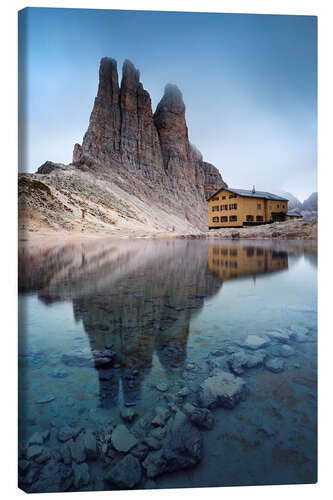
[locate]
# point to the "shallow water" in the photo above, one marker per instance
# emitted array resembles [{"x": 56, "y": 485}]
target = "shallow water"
[{"x": 173, "y": 312}]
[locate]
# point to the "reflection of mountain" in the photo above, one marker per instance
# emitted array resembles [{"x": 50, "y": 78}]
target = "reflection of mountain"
[
  {"x": 237, "y": 261},
  {"x": 138, "y": 297}
]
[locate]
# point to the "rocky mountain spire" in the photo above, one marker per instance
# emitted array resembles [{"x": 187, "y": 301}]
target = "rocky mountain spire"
[
  {"x": 131, "y": 146},
  {"x": 121, "y": 127},
  {"x": 169, "y": 119}
]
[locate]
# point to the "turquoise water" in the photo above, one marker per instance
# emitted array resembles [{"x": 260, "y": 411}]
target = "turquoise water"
[{"x": 172, "y": 313}]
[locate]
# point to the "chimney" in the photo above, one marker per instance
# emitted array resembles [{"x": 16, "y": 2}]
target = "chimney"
[{"x": 253, "y": 189}]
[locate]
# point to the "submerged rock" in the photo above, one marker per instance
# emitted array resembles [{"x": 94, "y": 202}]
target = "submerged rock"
[
  {"x": 201, "y": 417},
  {"x": 255, "y": 342},
  {"x": 126, "y": 473},
  {"x": 81, "y": 474},
  {"x": 282, "y": 350},
  {"x": 36, "y": 438},
  {"x": 45, "y": 399},
  {"x": 183, "y": 449},
  {"x": 122, "y": 439},
  {"x": 161, "y": 386},
  {"x": 161, "y": 416},
  {"x": 66, "y": 433},
  {"x": 54, "y": 477},
  {"x": 128, "y": 414},
  {"x": 222, "y": 389},
  {"x": 241, "y": 360},
  {"x": 274, "y": 365},
  {"x": 279, "y": 336}
]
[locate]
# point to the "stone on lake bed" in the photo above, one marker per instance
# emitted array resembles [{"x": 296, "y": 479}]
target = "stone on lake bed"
[
  {"x": 221, "y": 390},
  {"x": 161, "y": 416},
  {"x": 81, "y": 474},
  {"x": 161, "y": 386},
  {"x": 128, "y": 414},
  {"x": 255, "y": 342},
  {"x": 126, "y": 473},
  {"x": 122, "y": 439},
  {"x": 44, "y": 456},
  {"x": 274, "y": 365},
  {"x": 201, "y": 417},
  {"x": 282, "y": 350},
  {"x": 36, "y": 438},
  {"x": 279, "y": 336},
  {"x": 45, "y": 399},
  {"x": 33, "y": 451},
  {"x": 241, "y": 360},
  {"x": 66, "y": 433},
  {"x": 183, "y": 449}
]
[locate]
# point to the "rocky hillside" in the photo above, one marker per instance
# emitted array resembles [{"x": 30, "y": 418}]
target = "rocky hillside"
[
  {"x": 310, "y": 207},
  {"x": 135, "y": 168}
]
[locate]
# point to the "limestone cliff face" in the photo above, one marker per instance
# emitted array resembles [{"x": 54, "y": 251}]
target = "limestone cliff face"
[
  {"x": 145, "y": 152},
  {"x": 121, "y": 128}
]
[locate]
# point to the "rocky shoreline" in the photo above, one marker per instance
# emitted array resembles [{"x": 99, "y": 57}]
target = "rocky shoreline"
[{"x": 134, "y": 450}]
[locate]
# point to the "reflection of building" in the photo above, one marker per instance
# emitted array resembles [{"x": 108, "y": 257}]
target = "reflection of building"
[
  {"x": 241, "y": 207},
  {"x": 229, "y": 262}
]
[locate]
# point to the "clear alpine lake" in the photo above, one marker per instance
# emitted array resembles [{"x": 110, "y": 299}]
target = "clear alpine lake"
[{"x": 124, "y": 333}]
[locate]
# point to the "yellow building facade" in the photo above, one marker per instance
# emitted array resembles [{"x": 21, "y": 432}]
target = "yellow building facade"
[{"x": 240, "y": 207}]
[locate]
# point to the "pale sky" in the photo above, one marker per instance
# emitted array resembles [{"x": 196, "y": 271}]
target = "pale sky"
[{"x": 249, "y": 84}]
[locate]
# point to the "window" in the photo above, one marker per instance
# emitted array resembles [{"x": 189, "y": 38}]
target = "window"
[
  {"x": 216, "y": 262},
  {"x": 270, "y": 207},
  {"x": 233, "y": 218},
  {"x": 234, "y": 252},
  {"x": 223, "y": 197},
  {"x": 215, "y": 219},
  {"x": 233, "y": 264},
  {"x": 232, "y": 195},
  {"x": 260, "y": 218},
  {"x": 224, "y": 219},
  {"x": 224, "y": 251},
  {"x": 233, "y": 206},
  {"x": 215, "y": 251},
  {"x": 249, "y": 218},
  {"x": 250, "y": 252},
  {"x": 215, "y": 198},
  {"x": 259, "y": 206},
  {"x": 278, "y": 206},
  {"x": 283, "y": 206},
  {"x": 260, "y": 251},
  {"x": 224, "y": 207},
  {"x": 215, "y": 208}
]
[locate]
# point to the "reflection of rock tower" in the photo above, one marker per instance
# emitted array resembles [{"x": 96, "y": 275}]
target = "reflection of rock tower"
[{"x": 150, "y": 308}]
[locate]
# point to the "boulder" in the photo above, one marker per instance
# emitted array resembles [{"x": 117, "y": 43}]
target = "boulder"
[
  {"x": 182, "y": 449},
  {"x": 239, "y": 361},
  {"x": 223, "y": 389},
  {"x": 161, "y": 416},
  {"x": 255, "y": 342},
  {"x": 66, "y": 433},
  {"x": 126, "y": 473},
  {"x": 274, "y": 365},
  {"x": 122, "y": 439},
  {"x": 81, "y": 475},
  {"x": 279, "y": 336},
  {"x": 201, "y": 417},
  {"x": 128, "y": 414}
]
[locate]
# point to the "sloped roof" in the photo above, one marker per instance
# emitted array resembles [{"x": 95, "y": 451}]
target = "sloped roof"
[
  {"x": 294, "y": 214},
  {"x": 249, "y": 193}
]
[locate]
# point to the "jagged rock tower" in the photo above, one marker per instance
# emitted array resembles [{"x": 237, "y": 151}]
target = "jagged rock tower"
[{"x": 148, "y": 155}]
